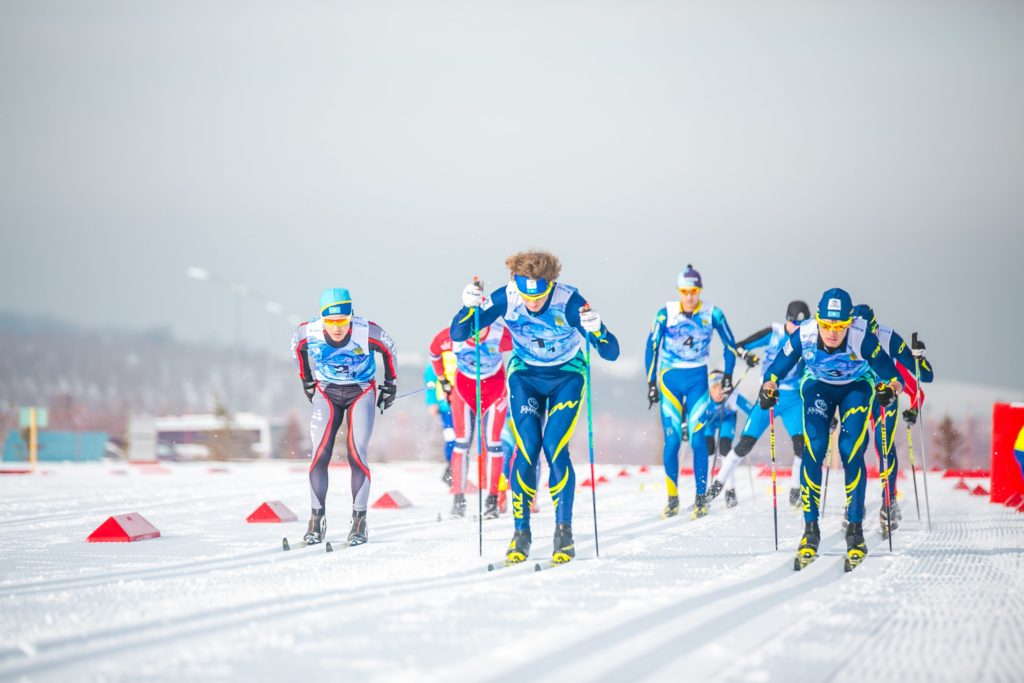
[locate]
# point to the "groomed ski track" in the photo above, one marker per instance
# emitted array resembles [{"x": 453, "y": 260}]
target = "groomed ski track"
[{"x": 216, "y": 598}]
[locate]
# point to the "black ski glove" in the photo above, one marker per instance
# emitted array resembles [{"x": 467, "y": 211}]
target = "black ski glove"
[
  {"x": 446, "y": 386},
  {"x": 910, "y": 416},
  {"x": 750, "y": 358},
  {"x": 917, "y": 347},
  {"x": 885, "y": 394},
  {"x": 727, "y": 385},
  {"x": 686, "y": 432},
  {"x": 767, "y": 398},
  {"x": 653, "y": 395},
  {"x": 386, "y": 395},
  {"x": 835, "y": 424},
  {"x": 309, "y": 386}
]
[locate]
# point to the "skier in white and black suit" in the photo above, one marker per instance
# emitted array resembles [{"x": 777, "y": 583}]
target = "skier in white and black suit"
[{"x": 336, "y": 361}]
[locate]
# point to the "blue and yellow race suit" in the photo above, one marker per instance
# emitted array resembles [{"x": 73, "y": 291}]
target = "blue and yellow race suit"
[
  {"x": 546, "y": 379},
  {"x": 676, "y": 356},
  {"x": 840, "y": 378}
]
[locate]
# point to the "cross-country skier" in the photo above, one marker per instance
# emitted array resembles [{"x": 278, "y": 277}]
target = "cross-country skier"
[
  {"x": 547, "y": 381},
  {"x": 772, "y": 339},
  {"x": 903, "y": 356},
  {"x": 336, "y": 361},
  {"x": 495, "y": 339},
  {"x": 720, "y": 419},
  {"x": 676, "y": 358},
  {"x": 437, "y": 403},
  {"x": 840, "y": 354}
]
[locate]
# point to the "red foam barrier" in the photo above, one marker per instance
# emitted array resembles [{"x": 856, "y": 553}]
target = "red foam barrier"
[
  {"x": 602, "y": 479},
  {"x": 685, "y": 470},
  {"x": 1014, "y": 501},
  {"x": 623, "y": 473},
  {"x": 979, "y": 491},
  {"x": 123, "y": 529},
  {"x": 5, "y": 471},
  {"x": 962, "y": 486},
  {"x": 1007, "y": 451},
  {"x": 271, "y": 512},
  {"x": 392, "y": 500},
  {"x": 218, "y": 470},
  {"x": 644, "y": 469},
  {"x": 950, "y": 474}
]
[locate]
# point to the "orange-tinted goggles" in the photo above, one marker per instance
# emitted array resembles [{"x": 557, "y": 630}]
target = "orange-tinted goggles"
[
  {"x": 689, "y": 291},
  {"x": 337, "y": 322},
  {"x": 834, "y": 325}
]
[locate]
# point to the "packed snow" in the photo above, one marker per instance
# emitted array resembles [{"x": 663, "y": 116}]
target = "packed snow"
[{"x": 215, "y": 598}]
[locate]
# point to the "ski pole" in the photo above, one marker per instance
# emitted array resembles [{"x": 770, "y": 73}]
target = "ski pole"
[
  {"x": 884, "y": 477},
  {"x": 590, "y": 440},
  {"x": 775, "y": 492},
  {"x": 721, "y": 418},
  {"x": 479, "y": 426},
  {"x": 924, "y": 436},
  {"x": 913, "y": 470},
  {"x": 410, "y": 393}
]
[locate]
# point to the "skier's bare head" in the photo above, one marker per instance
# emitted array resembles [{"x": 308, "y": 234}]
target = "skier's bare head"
[{"x": 534, "y": 273}]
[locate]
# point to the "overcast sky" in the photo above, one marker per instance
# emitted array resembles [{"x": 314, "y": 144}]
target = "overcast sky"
[{"x": 397, "y": 148}]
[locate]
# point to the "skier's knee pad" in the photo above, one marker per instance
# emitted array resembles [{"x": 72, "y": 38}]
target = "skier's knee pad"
[
  {"x": 745, "y": 445},
  {"x": 724, "y": 446},
  {"x": 798, "y": 445}
]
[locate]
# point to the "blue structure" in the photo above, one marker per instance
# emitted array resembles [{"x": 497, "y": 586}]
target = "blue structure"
[{"x": 58, "y": 446}]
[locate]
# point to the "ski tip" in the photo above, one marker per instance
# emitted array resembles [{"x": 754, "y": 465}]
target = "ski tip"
[
  {"x": 328, "y": 547},
  {"x": 284, "y": 544}
]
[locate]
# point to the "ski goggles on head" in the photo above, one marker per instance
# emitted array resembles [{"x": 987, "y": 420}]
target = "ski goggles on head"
[
  {"x": 834, "y": 325},
  {"x": 689, "y": 291},
  {"x": 337, "y": 322},
  {"x": 533, "y": 289}
]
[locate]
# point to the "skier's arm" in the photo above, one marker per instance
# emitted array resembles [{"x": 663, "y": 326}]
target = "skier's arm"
[
  {"x": 756, "y": 340},
  {"x": 301, "y": 354},
  {"x": 440, "y": 344},
  {"x": 787, "y": 359},
  {"x": 653, "y": 345},
  {"x": 382, "y": 344},
  {"x": 728, "y": 341},
  {"x": 880, "y": 362},
  {"x": 462, "y": 324},
  {"x": 602, "y": 340}
]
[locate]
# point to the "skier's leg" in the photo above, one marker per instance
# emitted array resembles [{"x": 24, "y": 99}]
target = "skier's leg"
[
  {"x": 791, "y": 410},
  {"x": 462, "y": 419},
  {"x": 323, "y": 428},
  {"x": 495, "y": 422},
  {"x": 360, "y": 428},
  {"x": 448, "y": 432},
  {"x": 819, "y": 406},
  {"x": 671, "y": 426},
  {"x": 697, "y": 398},
  {"x": 526, "y": 404},
  {"x": 754, "y": 427},
  {"x": 854, "y": 409},
  {"x": 565, "y": 405},
  {"x": 889, "y": 476}
]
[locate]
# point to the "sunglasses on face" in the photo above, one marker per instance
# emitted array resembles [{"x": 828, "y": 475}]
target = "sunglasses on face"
[
  {"x": 834, "y": 325},
  {"x": 689, "y": 291},
  {"x": 337, "y": 322}
]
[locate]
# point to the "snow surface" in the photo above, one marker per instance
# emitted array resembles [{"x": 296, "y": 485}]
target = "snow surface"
[{"x": 216, "y": 599}]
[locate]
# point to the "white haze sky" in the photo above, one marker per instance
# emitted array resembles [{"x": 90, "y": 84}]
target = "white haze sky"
[{"x": 397, "y": 148}]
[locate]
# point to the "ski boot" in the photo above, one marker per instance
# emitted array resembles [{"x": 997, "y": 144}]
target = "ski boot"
[
  {"x": 672, "y": 509},
  {"x": 491, "y": 506},
  {"x": 890, "y": 523},
  {"x": 564, "y": 549},
  {"x": 731, "y": 500},
  {"x": 715, "y": 488},
  {"x": 808, "y": 550},
  {"x": 357, "y": 535},
  {"x": 317, "y": 528},
  {"x": 794, "y": 498},
  {"x": 519, "y": 548},
  {"x": 458, "y": 506},
  {"x": 700, "y": 507},
  {"x": 446, "y": 476},
  {"x": 856, "y": 548}
]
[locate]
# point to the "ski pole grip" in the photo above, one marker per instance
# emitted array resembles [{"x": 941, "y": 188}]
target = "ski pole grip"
[{"x": 913, "y": 339}]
